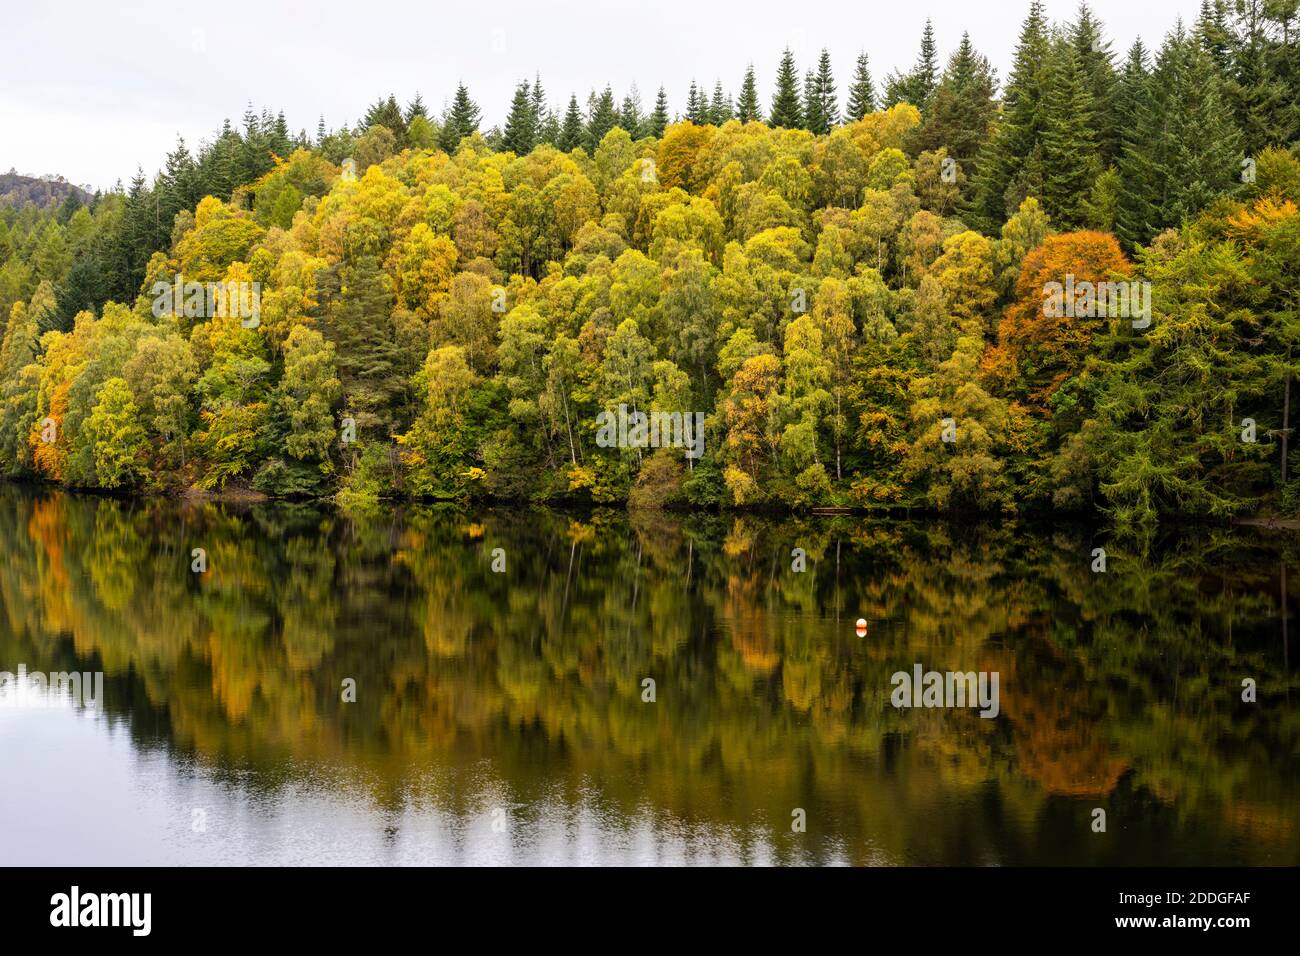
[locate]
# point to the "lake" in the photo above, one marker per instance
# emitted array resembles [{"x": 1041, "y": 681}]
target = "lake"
[{"x": 447, "y": 685}]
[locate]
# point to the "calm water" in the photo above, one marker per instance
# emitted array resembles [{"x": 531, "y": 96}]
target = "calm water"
[{"x": 499, "y": 716}]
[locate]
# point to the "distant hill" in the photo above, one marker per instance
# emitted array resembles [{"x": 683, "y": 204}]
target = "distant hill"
[{"x": 16, "y": 190}]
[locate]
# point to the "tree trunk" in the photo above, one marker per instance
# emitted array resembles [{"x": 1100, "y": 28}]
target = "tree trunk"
[{"x": 1286, "y": 417}]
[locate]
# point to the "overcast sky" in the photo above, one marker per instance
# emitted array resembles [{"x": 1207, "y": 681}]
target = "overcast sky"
[{"x": 92, "y": 89}]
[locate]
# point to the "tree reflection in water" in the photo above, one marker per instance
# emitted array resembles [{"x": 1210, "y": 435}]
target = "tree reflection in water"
[{"x": 1120, "y": 690}]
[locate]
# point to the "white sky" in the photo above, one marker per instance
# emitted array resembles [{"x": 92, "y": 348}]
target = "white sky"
[{"x": 89, "y": 89}]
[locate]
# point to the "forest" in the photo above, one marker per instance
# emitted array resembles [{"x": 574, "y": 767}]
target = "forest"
[{"x": 850, "y": 289}]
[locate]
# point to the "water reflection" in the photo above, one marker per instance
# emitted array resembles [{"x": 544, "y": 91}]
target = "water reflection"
[{"x": 499, "y": 717}]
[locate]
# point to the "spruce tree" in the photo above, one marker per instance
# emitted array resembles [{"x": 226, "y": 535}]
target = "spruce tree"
[
  {"x": 356, "y": 312},
  {"x": 281, "y": 140},
  {"x": 1262, "y": 86},
  {"x": 1098, "y": 71},
  {"x": 747, "y": 108},
  {"x": 603, "y": 118},
  {"x": 386, "y": 112},
  {"x": 926, "y": 72},
  {"x": 416, "y": 108},
  {"x": 629, "y": 115},
  {"x": 1009, "y": 164},
  {"x": 1206, "y": 143},
  {"x": 719, "y": 106},
  {"x": 918, "y": 84},
  {"x": 1069, "y": 140},
  {"x": 961, "y": 109},
  {"x": 520, "y": 134},
  {"x": 83, "y": 288},
  {"x": 862, "y": 91},
  {"x": 1214, "y": 35},
  {"x": 811, "y": 108},
  {"x": 786, "y": 109},
  {"x": 1185, "y": 149},
  {"x": 697, "y": 107},
  {"x": 821, "y": 109},
  {"x": 657, "y": 121},
  {"x": 544, "y": 119},
  {"x": 572, "y": 133},
  {"x": 253, "y": 154},
  {"x": 460, "y": 121},
  {"x": 181, "y": 189},
  {"x": 1135, "y": 209}
]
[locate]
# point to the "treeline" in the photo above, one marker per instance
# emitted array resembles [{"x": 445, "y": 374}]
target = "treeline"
[
  {"x": 45, "y": 191},
  {"x": 855, "y": 303},
  {"x": 94, "y": 250}
]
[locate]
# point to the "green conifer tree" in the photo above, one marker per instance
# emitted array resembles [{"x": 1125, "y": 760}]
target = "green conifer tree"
[
  {"x": 747, "y": 108},
  {"x": 657, "y": 121},
  {"x": 1009, "y": 163},
  {"x": 862, "y": 91},
  {"x": 461, "y": 120},
  {"x": 786, "y": 108},
  {"x": 520, "y": 134},
  {"x": 572, "y": 132}
]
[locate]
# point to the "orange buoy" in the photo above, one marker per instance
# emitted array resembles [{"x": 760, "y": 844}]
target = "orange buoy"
[{"x": 862, "y": 627}]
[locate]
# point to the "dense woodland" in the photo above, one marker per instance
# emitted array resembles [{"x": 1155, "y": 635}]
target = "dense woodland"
[{"x": 811, "y": 272}]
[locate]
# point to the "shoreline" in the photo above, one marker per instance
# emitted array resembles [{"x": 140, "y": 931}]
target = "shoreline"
[{"x": 241, "y": 496}]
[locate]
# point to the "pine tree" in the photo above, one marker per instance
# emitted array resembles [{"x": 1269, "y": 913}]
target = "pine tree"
[
  {"x": 862, "y": 91},
  {"x": 460, "y": 121},
  {"x": 520, "y": 134},
  {"x": 320, "y": 131},
  {"x": 747, "y": 108},
  {"x": 657, "y": 122},
  {"x": 1009, "y": 163},
  {"x": 786, "y": 109}
]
